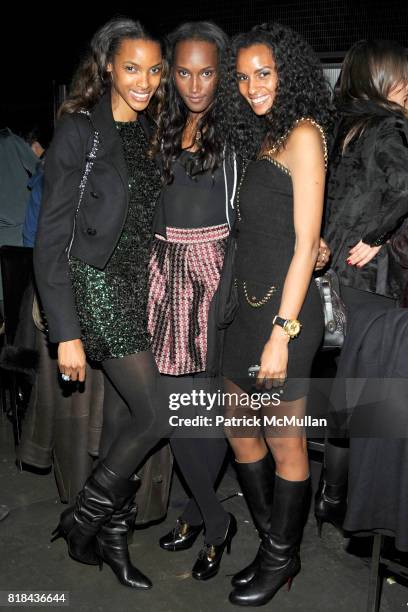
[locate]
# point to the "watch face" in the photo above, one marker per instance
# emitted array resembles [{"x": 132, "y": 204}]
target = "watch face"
[{"x": 293, "y": 327}]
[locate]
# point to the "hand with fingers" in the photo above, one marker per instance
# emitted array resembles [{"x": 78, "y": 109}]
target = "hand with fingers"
[
  {"x": 274, "y": 360},
  {"x": 324, "y": 255},
  {"x": 72, "y": 360},
  {"x": 361, "y": 254}
]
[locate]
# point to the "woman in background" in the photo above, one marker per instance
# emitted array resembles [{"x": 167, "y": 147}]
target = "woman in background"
[{"x": 366, "y": 202}]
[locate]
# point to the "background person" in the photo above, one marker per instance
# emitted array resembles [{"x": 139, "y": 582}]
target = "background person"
[{"x": 367, "y": 199}]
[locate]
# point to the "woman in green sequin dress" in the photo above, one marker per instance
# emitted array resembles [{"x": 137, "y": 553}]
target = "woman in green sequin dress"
[
  {"x": 111, "y": 303},
  {"x": 91, "y": 268}
]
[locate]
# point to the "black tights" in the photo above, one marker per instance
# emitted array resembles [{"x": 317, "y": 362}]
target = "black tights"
[
  {"x": 200, "y": 461},
  {"x": 137, "y": 379},
  {"x": 116, "y": 416}
]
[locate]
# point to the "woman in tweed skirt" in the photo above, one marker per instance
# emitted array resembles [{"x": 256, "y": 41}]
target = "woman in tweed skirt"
[{"x": 191, "y": 229}]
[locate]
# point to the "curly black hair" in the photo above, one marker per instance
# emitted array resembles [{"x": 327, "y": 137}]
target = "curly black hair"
[
  {"x": 302, "y": 89},
  {"x": 215, "y": 125}
]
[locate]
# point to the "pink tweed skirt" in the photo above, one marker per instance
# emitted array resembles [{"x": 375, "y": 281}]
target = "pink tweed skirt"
[{"x": 184, "y": 272}]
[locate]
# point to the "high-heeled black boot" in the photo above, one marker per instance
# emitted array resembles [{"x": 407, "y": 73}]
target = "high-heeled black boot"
[
  {"x": 112, "y": 541},
  {"x": 181, "y": 537},
  {"x": 257, "y": 481},
  {"x": 279, "y": 560},
  {"x": 102, "y": 494},
  {"x": 330, "y": 504},
  {"x": 87, "y": 553},
  {"x": 209, "y": 558}
]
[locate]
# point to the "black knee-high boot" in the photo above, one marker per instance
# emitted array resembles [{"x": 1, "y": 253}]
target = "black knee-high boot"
[
  {"x": 331, "y": 495},
  {"x": 257, "y": 481},
  {"x": 279, "y": 559},
  {"x": 103, "y": 494},
  {"x": 112, "y": 548}
]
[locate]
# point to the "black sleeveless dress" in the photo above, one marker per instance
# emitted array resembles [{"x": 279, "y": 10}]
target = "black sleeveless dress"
[{"x": 266, "y": 242}]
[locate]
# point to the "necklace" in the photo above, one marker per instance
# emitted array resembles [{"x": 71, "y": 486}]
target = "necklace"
[
  {"x": 190, "y": 126},
  {"x": 195, "y": 141}
]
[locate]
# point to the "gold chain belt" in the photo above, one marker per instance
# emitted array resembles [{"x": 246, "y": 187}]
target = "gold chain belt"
[{"x": 253, "y": 301}]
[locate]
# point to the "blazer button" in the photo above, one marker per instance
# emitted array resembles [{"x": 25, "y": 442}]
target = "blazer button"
[
  {"x": 91, "y": 231},
  {"x": 94, "y": 194}
]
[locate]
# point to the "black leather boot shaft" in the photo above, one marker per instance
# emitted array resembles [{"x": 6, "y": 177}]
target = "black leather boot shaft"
[
  {"x": 102, "y": 494},
  {"x": 279, "y": 557},
  {"x": 113, "y": 548},
  {"x": 257, "y": 483},
  {"x": 330, "y": 503},
  {"x": 290, "y": 502}
]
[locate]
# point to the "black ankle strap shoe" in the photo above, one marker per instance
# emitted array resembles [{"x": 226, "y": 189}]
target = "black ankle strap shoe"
[
  {"x": 181, "y": 537},
  {"x": 209, "y": 558}
]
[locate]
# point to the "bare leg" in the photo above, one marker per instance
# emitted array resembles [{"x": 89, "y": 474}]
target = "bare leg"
[
  {"x": 288, "y": 444},
  {"x": 248, "y": 444}
]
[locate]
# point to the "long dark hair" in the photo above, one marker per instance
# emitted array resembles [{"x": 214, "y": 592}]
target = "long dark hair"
[
  {"x": 91, "y": 79},
  {"x": 302, "y": 89},
  {"x": 370, "y": 70},
  {"x": 214, "y": 125}
]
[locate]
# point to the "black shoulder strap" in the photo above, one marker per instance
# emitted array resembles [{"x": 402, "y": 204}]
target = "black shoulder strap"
[{"x": 87, "y": 130}]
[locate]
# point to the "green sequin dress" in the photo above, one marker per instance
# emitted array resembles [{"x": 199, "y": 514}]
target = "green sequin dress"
[{"x": 111, "y": 303}]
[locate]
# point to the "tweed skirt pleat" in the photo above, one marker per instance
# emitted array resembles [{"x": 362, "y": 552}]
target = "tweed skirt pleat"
[{"x": 184, "y": 272}]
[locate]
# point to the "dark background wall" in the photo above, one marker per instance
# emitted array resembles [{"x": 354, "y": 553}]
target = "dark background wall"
[
  {"x": 42, "y": 52},
  {"x": 331, "y": 26}
]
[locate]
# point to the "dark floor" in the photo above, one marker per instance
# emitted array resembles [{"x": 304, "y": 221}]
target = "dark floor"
[{"x": 332, "y": 579}]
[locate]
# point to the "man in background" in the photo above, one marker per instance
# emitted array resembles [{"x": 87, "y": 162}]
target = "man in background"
[{"x": 17, "y": 163}]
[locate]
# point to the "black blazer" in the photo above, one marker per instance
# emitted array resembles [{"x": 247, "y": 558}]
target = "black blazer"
[{"x": 101, "y": 216}]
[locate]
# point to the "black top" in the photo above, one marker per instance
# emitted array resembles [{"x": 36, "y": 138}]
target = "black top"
[
  {"x": 266, "y": 238},
  {"x": 367, "y": 198},
  {"x": 193, "y": 199}
]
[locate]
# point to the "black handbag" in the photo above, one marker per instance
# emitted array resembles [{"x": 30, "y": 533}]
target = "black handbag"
[
  {"x": 335, "y": 313},
  {"x": 335, "y": 319}
]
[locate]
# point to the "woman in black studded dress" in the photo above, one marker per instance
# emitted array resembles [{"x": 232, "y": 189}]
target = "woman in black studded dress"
[
  {"x": 91, "y": 260},
  {"x": 279, "y": 322}
]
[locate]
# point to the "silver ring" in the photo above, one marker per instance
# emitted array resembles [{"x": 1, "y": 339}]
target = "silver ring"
[{"x": 65, "y": 377}]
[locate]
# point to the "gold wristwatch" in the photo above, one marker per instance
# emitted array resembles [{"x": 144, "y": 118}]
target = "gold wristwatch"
[{"x": 291, "y": 326}]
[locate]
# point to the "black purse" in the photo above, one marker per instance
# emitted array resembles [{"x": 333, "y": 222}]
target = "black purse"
[
  {"x": 335, "y": 319},
  {"x": 335, "y": 312},
  {"x": 334, "y": 309}
]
